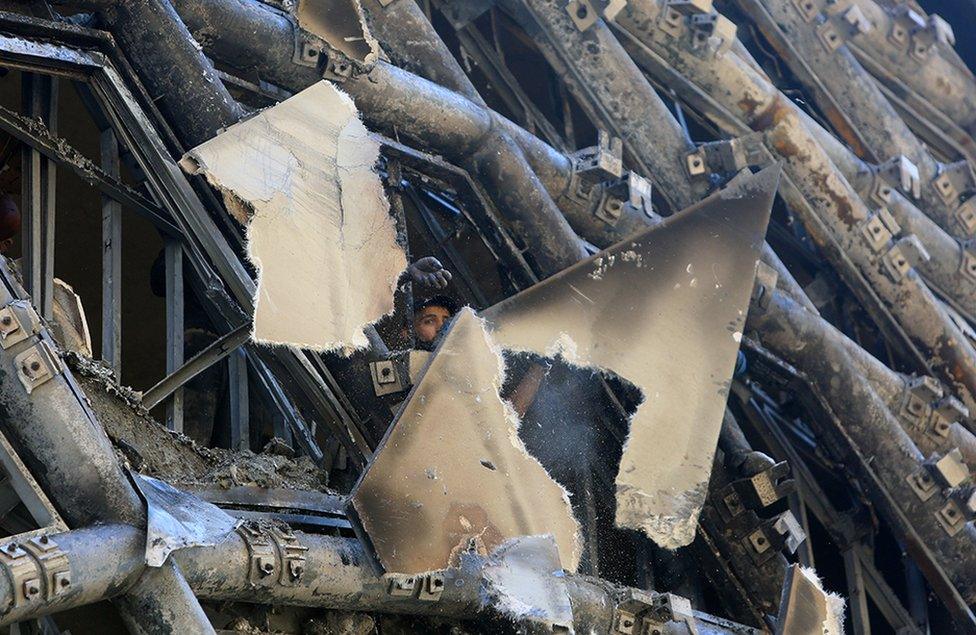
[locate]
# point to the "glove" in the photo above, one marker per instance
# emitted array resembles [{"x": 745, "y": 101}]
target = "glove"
[{"x": 429, "y": 272}]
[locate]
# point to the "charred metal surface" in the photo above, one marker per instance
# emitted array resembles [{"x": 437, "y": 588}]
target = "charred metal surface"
[{"x": 517, "y": 142}]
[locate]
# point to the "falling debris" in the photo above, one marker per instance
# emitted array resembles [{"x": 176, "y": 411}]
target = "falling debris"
[
  {"x": 806, "y": 609},
  {"x": 320, "y": 234},
  {"x": 644, "y": 319},
  {"x": 453, "y": 464}
]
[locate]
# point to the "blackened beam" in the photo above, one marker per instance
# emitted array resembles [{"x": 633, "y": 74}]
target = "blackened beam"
[
  {"x": 158, "y": 46},
  {"x": 844, "y": 90},
  {"x": 52, "y": 426},
  {"x": 863, "y": 426},
  {"x": 335, "y": 575},
  {"x": 218, "y": 350}
]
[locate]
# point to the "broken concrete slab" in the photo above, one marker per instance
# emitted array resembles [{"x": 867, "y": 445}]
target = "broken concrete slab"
[
  {"x": 806, "y": 608},
  {"x": 452, "y": 468},
  {"x": 664, "y": 310},
  {"x": 320, "y": 233}
]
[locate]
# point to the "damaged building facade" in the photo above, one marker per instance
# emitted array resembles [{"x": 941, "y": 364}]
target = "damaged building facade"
[{"x": 624, "y": 317}]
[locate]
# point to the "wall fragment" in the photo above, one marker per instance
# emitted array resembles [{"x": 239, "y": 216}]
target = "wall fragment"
[
  {"x": 320, "y": 232},
  {"x": 664, "y": 310},
  {"x": 806, "y": 608},
  {"x": 453, "y": 470}
]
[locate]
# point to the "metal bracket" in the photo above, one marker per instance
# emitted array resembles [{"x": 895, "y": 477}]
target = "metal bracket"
[
  {"x": 772, "y": 536},
  {"x": 920, "y": 392},
  {"x": 644, "y": 613},
  {"x": 274, "y": 554},
  {"x": 728, "y": 156},
  {"x": 967, "y": 259},
  {"x": 53, "y": 564},
  {"x": 427, "y": 587},
  {"x": 950, "y": 470},
  {"x": 829, "y": 37},
  {"x": 955, "y": 180},
  {"x": 631, "y": 191},
  {"x": 36, "y": 365},
  {"x": 765, "y": 488},
  {"x": 922, "y": 484},
  {"x": 18, "y": 321},
  {"x": 712, "y": 34},
  {"x": 936, "y": 31},
  {"x": 386, "y": 379},
  {"x": 896, "y": 264},
  {"x": 902, "y": 174},
  {"x": 809, "y": 9},
  {"x": 22, "y": 571},
  {"x": 598, "y": 163},
  {"x": 945, "y": 412},
  {"x": 951, "y": 517},
  {"x": 905, "y": 22},
  {"x": 585, "y": 13},
  {"x": 964, "y": 216},
  {"x": 878, "y": 229}
]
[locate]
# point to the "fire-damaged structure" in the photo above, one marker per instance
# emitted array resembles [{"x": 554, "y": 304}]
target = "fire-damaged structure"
[{"x": 598, "y": 316}]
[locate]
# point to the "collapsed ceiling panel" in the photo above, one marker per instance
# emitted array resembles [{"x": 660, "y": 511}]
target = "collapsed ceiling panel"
[
  {"x": 664, "y": 310},
  {"x": 320, "y": 231},
  {"x": 452, "y": 470}
]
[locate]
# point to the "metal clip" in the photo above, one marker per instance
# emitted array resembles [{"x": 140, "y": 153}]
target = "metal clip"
[
  {"x": 829, "y": 36},
  {"x": 22, "y": 571},
  {"x": 951, "y": 517},
  {"x": 18, "y": 321},
  {"x": 401, "y": 585},
  {"x": 896, "y": 264},
  {"x": 955, "y": 180},
  {"x": 432, "y": 587},
  {"x": 950, "y": 469},
  {"x": 262, "y": 559},
  {"x": 945, "y": 412},
  {"x": 728, "y": 156},
  {"x": 630, "y": 608},
  {"x": 913, "y": 250},
  {"x": 585, "y": 13},
  {"x": 292, "y": 554},
  {"x": 765, "y": 488},
  {"x": 920, "y": 392},
  {"x": 902, "y": 174},
  {"x": 857, "y": 22},
  {"x": 809, "y": 9},
  {"x": 386, "y": 379},
  {"x": 922, "y": 483},
  {"x": 905, "y": 22},
  {"x": 876, "y": 232},
  {"x": 936, "y": 31},
  {"x": 712, "y": 34},
  {"x": 598, "y": 163},
  {"x": 36, "y": 365},
  {"x": 53, "y": 563},
  {"x": 964, "y": 216},
  {"x": 773, "y": 535},
  {"x": 967, "y": 259}
]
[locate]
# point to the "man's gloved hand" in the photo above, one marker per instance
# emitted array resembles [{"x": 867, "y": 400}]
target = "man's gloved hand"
[{"x": 429, "y": 272}]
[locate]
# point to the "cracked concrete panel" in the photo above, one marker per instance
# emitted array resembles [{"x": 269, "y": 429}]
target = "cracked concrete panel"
[
  {"x": 665, "y": 311},
  {"x": 452, "y": 470},
  {"x": 806, "y": 608},
  {"x": 320, "y": 232}
]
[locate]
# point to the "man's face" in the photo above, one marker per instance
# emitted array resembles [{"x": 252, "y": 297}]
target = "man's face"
[{"x": 429, "y": 321}]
